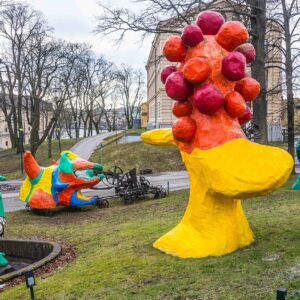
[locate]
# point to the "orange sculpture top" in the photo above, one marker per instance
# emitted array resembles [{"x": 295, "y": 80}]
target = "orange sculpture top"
[{"x": 210, "y": 85}]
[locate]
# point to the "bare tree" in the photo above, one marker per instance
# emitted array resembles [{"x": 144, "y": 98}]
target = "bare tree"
[
  {"x": 152, "y": 18},
  {"x": 19, "y": 27},
  {"x": 169, "y": 16},
  {"x": 130, "y": 87},
  {"x": 286, "y": 15}
]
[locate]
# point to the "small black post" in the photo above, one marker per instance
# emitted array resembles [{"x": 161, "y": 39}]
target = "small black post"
[
  {"x": 168, "y": 188},
  {"x": 30, "y": 282},
  {"x": 31, "y": 293},
  {"x": 21, "y": 148},
  {"x": 281, "y": 294}
]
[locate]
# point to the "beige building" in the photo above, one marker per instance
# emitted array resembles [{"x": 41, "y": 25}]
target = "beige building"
[
  {"x": 160, "y": 105},
  {"x": 144, "y": 114},
  {"x": 5, "y": 142}
]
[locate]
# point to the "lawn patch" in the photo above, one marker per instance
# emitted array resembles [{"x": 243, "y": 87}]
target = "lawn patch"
[{"x": 115, "y": 258}]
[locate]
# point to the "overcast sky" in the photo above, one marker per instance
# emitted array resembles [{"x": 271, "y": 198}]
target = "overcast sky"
[{"x": 74, "y": 20}]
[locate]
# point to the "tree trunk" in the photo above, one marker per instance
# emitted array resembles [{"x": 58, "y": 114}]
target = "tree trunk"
[
  {"x": 258, "y": 28},
  {"x": 289, "y": 82},
  {"x": 34, "y": 134},
  {"x": 50, "y": 141},
  {"x": 84, "y": 128}
]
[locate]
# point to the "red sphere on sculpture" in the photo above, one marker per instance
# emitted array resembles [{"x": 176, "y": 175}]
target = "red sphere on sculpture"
[
  {"x": 166, "y": 72},
  {"x": 234, "y": 66},
  {"x": 248, "y": 87},
  {"x": 231, "y": 35},
  {"x": 248, "y": 51},
  {"x": 182, "y": 109},
  {"x": 246, "y": 117},
  {"x": 235, "y": 104},
  {"x": 207, "y": 99},
  {"x": 177, "y": 87},
  {"x": 174, "y": 49},
  {"x": 184, "y": 129},
  {"x": 210, "y": 22},
  {"x": 197, "y": 70},
  {"x": 192, "y": 35}
]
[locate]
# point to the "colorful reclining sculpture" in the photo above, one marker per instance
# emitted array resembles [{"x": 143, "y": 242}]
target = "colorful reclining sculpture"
[
  {"x": 211, "y": 90},
  {"x": 296, "y": 185},
  {"x": 59, "y": 185}
]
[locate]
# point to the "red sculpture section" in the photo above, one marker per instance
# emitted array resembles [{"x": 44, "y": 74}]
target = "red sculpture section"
[{"x": 210, "y": 85}]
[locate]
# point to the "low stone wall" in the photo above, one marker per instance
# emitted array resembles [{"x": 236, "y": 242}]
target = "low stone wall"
[{"x": 41, "y": 252}]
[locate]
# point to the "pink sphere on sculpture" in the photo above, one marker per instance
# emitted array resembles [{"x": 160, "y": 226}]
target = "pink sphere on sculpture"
[
  {"x": 166, "y": 72},
  {"x": 248, "y": 51},
  {"x": 177, "y": 87},
  {"x": 192, "y": 35},
  {"x": 246, "y": 117},
  {"x": 207, "y": 99},
  {"x": 210, "y": 22},
  {"x": 234, "y": 66}
]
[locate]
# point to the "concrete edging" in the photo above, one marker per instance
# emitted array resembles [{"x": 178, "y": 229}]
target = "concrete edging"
[{"x": 54, "y": 252}]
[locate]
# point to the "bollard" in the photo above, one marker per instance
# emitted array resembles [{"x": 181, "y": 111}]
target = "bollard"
[{"x": 281, "y": 294}]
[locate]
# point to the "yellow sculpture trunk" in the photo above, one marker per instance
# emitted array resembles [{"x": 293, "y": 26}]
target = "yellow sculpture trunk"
[{"x": 214, "y": 222}]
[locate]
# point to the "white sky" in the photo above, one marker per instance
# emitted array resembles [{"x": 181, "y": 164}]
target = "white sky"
[{"x": 74, "y": 20}]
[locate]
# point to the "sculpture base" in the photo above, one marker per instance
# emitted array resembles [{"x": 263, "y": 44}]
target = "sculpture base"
[{"x": 214, "y": 234}]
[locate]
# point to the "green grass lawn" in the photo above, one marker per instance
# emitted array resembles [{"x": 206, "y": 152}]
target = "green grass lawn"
[
  {"x": 141, "y": 156},
  {"x": 116, "y": 260},
  {"x": 10, "y": 161}
]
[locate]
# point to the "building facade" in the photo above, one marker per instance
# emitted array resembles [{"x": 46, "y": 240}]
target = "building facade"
[
  {"x": 45, "y": 116},
  {"x": 160, "y": 105},
  {"x": 144, "y": 114}
]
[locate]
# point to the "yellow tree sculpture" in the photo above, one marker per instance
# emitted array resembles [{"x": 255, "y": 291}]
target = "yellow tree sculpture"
[{"x": 211, "y": 90}]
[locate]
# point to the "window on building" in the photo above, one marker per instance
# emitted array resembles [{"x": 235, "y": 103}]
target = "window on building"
[
  {"x": 6, "y": 143},
  {"x": 5, "y": 129}
]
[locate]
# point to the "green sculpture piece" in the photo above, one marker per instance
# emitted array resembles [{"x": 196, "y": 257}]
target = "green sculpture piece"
[
  {"x": 296, "y": 185},
  {"x": 3, "y": 260}
]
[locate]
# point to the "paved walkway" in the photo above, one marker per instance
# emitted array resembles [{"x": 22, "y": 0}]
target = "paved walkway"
[{"x": 86, "y": 147}]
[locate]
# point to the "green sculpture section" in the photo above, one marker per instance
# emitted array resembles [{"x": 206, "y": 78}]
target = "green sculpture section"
[
  {"x": 3, "y": 260},
  {"x": 296, "y": 185}
]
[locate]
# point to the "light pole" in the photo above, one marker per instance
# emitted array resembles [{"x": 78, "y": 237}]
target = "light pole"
[{"x": 155, "y": 85}]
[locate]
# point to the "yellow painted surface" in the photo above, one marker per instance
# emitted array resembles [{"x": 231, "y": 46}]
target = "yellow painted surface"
[
  {"x": 25, "y": 189},
  {"x": 162, "y": 137},
  {"x": 214, "y": 223},
  {"x": 70, "y": 154},
  {"x": 44, "y": 184}
]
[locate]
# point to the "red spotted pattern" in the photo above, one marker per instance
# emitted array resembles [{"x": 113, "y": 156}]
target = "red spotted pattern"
[{"x": 210, "y": 85}]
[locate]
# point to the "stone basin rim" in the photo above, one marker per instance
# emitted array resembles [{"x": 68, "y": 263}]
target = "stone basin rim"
[{"x": 56, "y": 249}]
